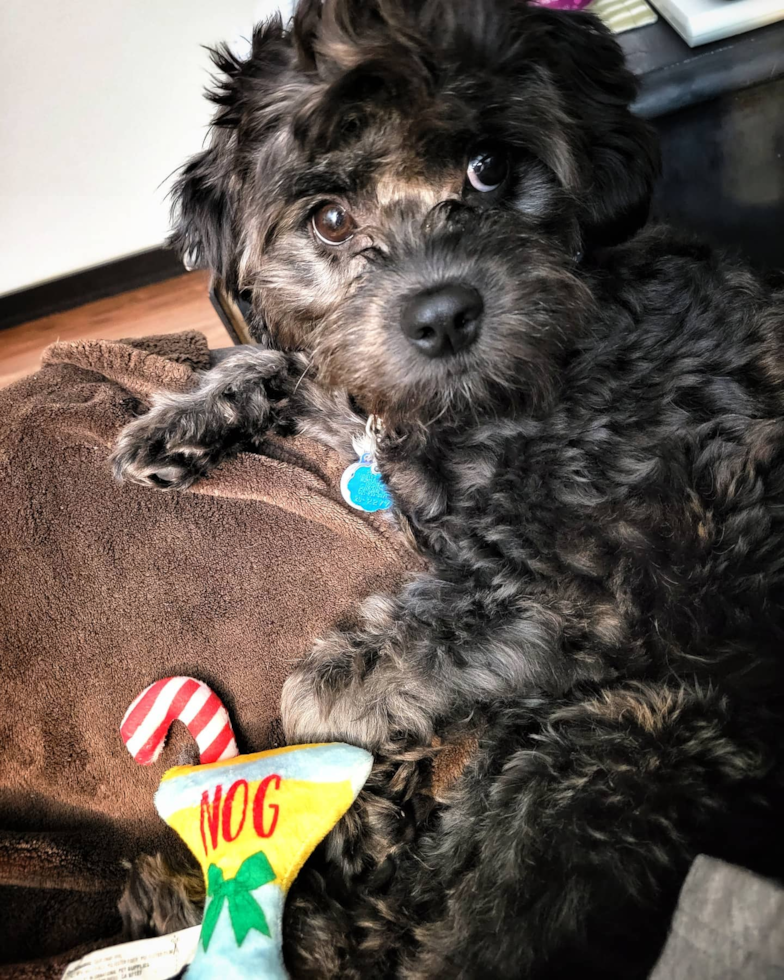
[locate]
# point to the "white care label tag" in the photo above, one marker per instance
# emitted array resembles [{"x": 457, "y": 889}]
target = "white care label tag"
[{"x": 146, "y": 959}]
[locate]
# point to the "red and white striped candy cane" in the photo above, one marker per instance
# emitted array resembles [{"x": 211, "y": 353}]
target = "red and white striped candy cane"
[{"x": 148, "y": 720}]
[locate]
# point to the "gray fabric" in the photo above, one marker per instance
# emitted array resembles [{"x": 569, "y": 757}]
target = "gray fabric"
[{"x": 729, "y": 925}]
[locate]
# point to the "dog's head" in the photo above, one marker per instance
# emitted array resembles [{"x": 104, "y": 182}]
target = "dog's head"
[{"x": 405, "y": 187}]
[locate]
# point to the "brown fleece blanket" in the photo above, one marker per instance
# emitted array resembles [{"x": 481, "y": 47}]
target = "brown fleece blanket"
[{"x": 104, "y": 589}]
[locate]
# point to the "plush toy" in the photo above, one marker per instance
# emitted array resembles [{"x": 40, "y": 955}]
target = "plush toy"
[{"x": 251, "y": 822}]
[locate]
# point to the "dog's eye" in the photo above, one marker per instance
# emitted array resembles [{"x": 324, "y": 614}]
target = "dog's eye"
[
  {"x": 333, "y": 224},
  {"x": 487, "y": 168}
]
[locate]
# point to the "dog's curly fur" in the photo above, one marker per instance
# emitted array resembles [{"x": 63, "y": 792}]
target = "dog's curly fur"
[{"x": 597, "y": 483}]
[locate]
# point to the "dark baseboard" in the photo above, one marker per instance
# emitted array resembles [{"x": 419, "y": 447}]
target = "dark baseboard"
[{"x": 99, "y": 282}]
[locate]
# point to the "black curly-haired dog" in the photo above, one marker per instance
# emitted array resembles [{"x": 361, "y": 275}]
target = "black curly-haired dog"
[{"x": 434, "y": 209}]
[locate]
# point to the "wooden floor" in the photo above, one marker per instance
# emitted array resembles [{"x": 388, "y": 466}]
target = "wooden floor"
[{"x": 166, "y": 307}]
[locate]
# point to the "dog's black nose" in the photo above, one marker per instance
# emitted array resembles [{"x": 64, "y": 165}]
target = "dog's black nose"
[{"x": 443, "y": 320}]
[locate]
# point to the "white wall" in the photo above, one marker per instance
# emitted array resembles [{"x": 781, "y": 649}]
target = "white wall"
[{"x": 100, "y": 100}]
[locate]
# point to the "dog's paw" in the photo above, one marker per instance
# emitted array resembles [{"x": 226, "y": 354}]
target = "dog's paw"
[
  {"x": 311, "y": 713},
  {"x": 161, "y": 450},
  {"x": 321, "y": 703}
]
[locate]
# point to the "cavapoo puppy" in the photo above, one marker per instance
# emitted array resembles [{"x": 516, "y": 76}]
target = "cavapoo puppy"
[{"x": 434, "y": 210}]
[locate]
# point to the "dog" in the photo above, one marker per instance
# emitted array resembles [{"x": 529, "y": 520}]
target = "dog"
[{"x": 436, "y": 211}]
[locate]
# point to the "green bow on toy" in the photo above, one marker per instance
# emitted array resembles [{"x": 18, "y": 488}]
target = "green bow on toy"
[{"x": 244, "y": 911}]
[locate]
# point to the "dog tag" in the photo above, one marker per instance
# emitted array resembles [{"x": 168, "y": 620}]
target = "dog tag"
[{"x": 362, "y": 485}]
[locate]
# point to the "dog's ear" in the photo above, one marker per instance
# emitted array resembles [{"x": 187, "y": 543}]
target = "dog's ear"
[
  {"x": 204, "y": 219},
  {"x": 619, "y": 150}
]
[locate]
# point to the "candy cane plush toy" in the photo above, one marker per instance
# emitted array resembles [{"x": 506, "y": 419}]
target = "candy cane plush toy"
[
  {"x": 148, "y": 720},
  {"x": 251, "y": 821}
]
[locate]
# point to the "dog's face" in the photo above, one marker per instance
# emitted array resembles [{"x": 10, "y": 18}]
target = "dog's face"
[{"x": 404, "y": 188}]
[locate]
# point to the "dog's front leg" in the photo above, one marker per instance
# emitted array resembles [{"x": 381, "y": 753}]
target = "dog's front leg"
[
  {"x": 393, "y": 679},
  {"x": 184, "y": 435},
  {"x": 252, "y": 391},
  {"x": 335, "y": 695},
  {"x": 419, "y": 661}
]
